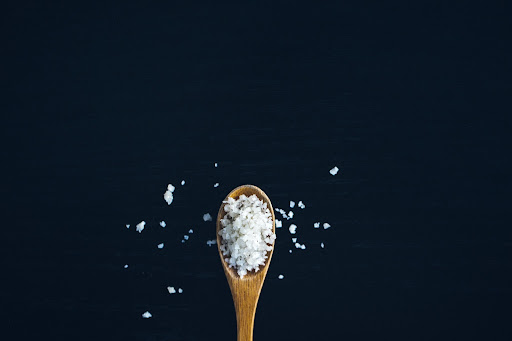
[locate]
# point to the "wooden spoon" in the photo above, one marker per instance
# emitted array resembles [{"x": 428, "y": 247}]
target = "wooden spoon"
[{"x": 245, "y": 291}]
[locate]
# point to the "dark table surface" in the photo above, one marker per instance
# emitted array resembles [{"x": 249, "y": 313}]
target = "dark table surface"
[{"x": 103, "y": 106}]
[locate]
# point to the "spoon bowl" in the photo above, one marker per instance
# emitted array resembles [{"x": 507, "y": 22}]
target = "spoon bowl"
[{"x": 245, "y": 291}]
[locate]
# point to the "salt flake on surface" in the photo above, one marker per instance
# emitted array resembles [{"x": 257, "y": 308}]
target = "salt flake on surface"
[
  {"x": 216, "y": 184},
  {"x": 182, "y": 182},
  {"x": 292, "y": 228},
  {"x": 160, "y": 246},
  {"x": 127, "y": 226},
  {"x": 316, "y": 225},
  {"x": 207, "y": 217},
  {"x": 326, "y": 226},
  {"x": 140, "y": 226},
  {"x": 185, "y": 237},
  {"x": 126, "y": 266},
  {"x": 292, "y": 204},
  {"x": 290, "y": 251},
  {"x": 215, "y": 164},
  {"x": 146, "y": 315},
  {"x": 279, "y": 223},
  {"x": 171, "y": 290},
  {"x": 303, "y": 246},
  {"x": 168, "y": 194},
  {"x": 190, "y": 231},
  {"x": 211, "y": 242},
  {"x": 294, "y": 240},
  {"x": 162, "y": 223},
  {"x": 290, "y": 215},
  {"x": 280, "y": 276},
  {"x": 334, "y": 171},
  {"x": 322, "y": 245},
  {"x": 301, "y": 205},
  {"x": 180, "y": 290}
]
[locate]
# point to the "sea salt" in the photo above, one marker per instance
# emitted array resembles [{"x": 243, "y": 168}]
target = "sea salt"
[
  {"x": 292, "y": 228},
  {"x": 297, "y": 245},
  {"x": 126, "y": 266},
  {"x": 185, "y": 237},
  {"x": 301, "y": 205},
  {"x": 207, "y": 217},
  {"x": 211, "y": 242},
  {"x": 294, "y": 240},
  {"x": 162, "y": 223},
  {"x": 322, "y": 245},
  {"x": 180, "y": 290},
  {"x": 334, "y": 171},
  {"x": 326, "y": 226},
  {"x": 246, "y": 234},
  {"x": 215, "y": 164},
  {"x": 146, "y": 315},
  {"x": 168, "y": 194},
  {"x": 171, "y": 290},
  {"x": 140, "y": 226},
  {"x": 216, "y": 184},
  {"x": 182, "y": 182},
  {"x": 127, "y": 226},
  {"x": 292, "y": 204},
  {"x": 280, "y": 276},
  {"x": 190, "y": 231},
  {"x": 160, "y": 246},
  {"x": 290, "y": 251},
  {"x": 316, "y": 225},
  {"x": 290, "y": 215},
  {"x": 303, "y": 246},
  {"x": 279, "y": 223}
]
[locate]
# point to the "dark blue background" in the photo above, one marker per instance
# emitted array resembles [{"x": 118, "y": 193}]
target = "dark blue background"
[{"x": 102, "y": 106}]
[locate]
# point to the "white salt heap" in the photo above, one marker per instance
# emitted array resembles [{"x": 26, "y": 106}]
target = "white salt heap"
[
  {"x": 168, "y": 194},
  {"x": 140, "y": 226},
  {"x": 246, "y": 234},
  {"x": 334, "y": 171},
  {"x": 207, "y": 217},
  {"x": 147, "y": 315}
]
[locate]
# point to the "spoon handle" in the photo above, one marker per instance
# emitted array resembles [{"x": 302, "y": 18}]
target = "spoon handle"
[{"x": 245, "y": 299}]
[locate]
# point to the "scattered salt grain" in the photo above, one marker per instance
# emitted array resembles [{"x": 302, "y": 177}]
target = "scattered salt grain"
[
  {"x": 182, "y": 182},
  {"x": 326, "y": 226},
  {"x": 246, "y": 233},
  {"x": 316, "y": 225},
  {"x": 171, "y": 290},
  {"x": 207, "y": 217},
  {"x": 185, "y": 237},
  {"x": 168, "y": 194},
  {"x": 297, "y": 245},
  {"x": 292, "y": 204},
  {"x": 301, "y": 205},
  {"x": 146, "y": 315},
  {"x": 180, "y": 290},
  {"x": 190, "y": 231},
  {"x": 126, "y": 266},
  {"x": 140, "y": 226},
  {"x": 127, "y": 226},
  {"x": 322, "y": 245},
  {"x": 161, "y": 245},
  {"x": 292, "y": 228},
  {"x": 215, "y": 164},
  {"x": 290, "y": 251},
  {"x": 303, "y": 246},
  {"x": 211, "y": 242},
  {"x": 162, "y": 223},
  {"x": 216, "y": 184},
  {"x": 294, "y": 240},
  {"x": 334, "y": 171},
  {"x": 280, "y": 276},
  {"x": 279, "y": 223},
  {"x": 182, "y": 241},
  {"x": 290, "y": 215}
]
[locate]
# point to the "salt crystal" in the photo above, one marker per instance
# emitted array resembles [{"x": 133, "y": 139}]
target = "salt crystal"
[
  {"x": 215, "y": 164},
  {"x": 182, "y": 241},
  {"x": 171, "y": 290},
  {"x": 180, "y": 290},
  {"x": 279, "y": 223},
  {"x": 292, "y": 204},
  {"x": 185, "y": 237},
  {"x": 146, "y": 315},
  {"x": 297, "y": 245},
  {"x": 316, "y": 225},
  {"x": 301, "y": 205},
  {"x": 207, "y": 217},
  {"x": 322, "y": 245},
  {"x": 334, "y": 171},
  {"x": 290, "y": 251},
  {"x": 211, "y": 242},
  {"x": 326, "y": 226},
  {"x": 290, "y": 215},
  {"x": 280, "y": 277},
  {"x": 168, "y": 194},
  {"x": 140, "y": 226},
  {"x": 190, "y": 231},
  {"x": 161, "y": 245},
  {"x": 127, "y": 226},
  {"x": 292, "y": 228},
  {"x": 216, "y": 184},
  {"x": 294, "y": 240},
  {"x": 182, "y": 182},
  {"x": 126, "y": 266},
  {"x": 162, "y": 223},
  {"x": 303, "y": 246}
]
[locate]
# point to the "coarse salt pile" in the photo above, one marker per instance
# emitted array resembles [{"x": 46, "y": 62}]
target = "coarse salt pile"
[{"x": 247, "y": 234}]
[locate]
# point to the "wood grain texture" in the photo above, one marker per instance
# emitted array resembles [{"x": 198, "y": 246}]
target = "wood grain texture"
[{"x": 245, "y": 291}]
